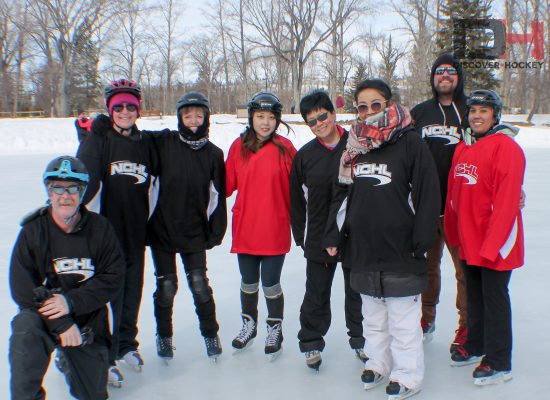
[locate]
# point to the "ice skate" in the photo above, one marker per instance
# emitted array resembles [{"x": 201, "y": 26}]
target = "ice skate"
[
  {"x": 213, "y": 347},
  {"x": 461, "y": 334},
  {"x": 396, "y": 391},
  {"x": 165, "y": 349},
  {"x": 133, "y": 360},
  {"x": 372, "y": 379},
  {"x": 428, "y": 330},
  {"x": 360, "y": 354},
  {"x": 246, "y": 336},
  {"x": 485, "y": 375},
  {"x": 460, "y": 357},
  {"x": 313, "y": 359},
  {"x": 274, "y": 338},
  {"x": 115, "y": 377}
]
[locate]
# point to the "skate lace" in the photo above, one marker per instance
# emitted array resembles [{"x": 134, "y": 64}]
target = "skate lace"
[
  {"x": 246, "y": 331},
  {"x": 461, "y": 335},
  {"x": 165, "y": 343},
  {"x": 212, "y": 342},
  {"x": 312, "y": 354},
  {"x": 273, "y": 333}
]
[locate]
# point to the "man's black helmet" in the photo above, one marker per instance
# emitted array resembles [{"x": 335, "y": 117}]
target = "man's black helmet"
[
  {"x": 192, "y": 99},
  {"x": 486, "y": 98},
  {"x": 66, "y": 168}
]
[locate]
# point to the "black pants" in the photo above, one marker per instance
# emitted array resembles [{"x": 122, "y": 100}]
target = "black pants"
[
  {"x": 165, "y": 266},
  {"x": 489, "y": 315},
  {"x": 30, "y": 350},
  {"x": 268, "y": 267},
  {"x": 315, "y": 313},
  {"x": 125, "y": 308}
]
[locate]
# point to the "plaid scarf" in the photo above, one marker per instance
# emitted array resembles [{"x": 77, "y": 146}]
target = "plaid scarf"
[{"x": 372, "y": 134}]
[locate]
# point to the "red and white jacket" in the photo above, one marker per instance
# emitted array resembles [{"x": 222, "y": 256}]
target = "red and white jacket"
[
  {"x": 261, "y": 214},
  {"x": 482, "y": 214}
]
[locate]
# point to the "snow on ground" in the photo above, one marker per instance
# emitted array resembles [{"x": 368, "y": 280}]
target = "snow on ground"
[{"x": 28, "y": 144}]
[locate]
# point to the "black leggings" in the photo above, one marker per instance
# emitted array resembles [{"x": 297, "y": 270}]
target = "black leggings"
[
  {"x": 205, "y": 308},
  {"x": 268, "y": 267}
]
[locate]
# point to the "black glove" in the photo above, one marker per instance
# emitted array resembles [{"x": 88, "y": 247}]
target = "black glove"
[{"x": 101, "y": 125}]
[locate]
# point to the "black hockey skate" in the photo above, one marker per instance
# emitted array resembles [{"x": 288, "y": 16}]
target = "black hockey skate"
[
  {"x": 313, "y": 359},
  {"x": 246, "y": 336},
  {"x": 485, "y": 375},
  {"x": 165, "y": 349},
  {"x": 372, "y": 379},
  {"x": 213, "y": 347},
  {"x": 396, "y": 391},
  {"x": 274, "y": 338},
  {"x": 461, "y": 357},
  {"x": 360, "y": 353}
]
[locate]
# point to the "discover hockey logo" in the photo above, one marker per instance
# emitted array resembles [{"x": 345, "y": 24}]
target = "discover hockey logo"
[
  {"x": 131, "y": 169},
  {"x": 375, "y": 171},
  {"x": 467, "y": 171},
  {"x": 80, "y": 266},
  {"x": 449, "y": 133}
]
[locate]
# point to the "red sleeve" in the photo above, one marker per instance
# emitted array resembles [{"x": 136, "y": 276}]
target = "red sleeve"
[
  {"x": 509, "y": 167},
  {"x": 231, "y": 168},
  {"x": 450, "y": 220}
]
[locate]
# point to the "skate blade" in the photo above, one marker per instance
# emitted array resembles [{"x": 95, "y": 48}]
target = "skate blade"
[
  {"x": 116, "y": 385},
  {"x": 473, "y": 360},
  {"x": 273, "y": 356},
  {"x": 214, "y": 359},
  {"x": 372, "y": 385},
  {"x": 315, "y": 366},
  {"x": 405, "y": 395},
  {"x": 166, "y": 360},
  {"x": 501, "y": 377},
  {"x": 136, "y": 368},
  {"x": 427, "y": 338},
  {"x": 248, "y": 345}
]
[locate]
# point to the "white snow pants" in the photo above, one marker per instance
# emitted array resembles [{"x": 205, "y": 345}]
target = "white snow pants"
[{"x": 394, "y": 338}]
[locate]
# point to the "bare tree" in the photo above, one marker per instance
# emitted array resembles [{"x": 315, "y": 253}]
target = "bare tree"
[
  {"x": 65, "y": 24},
  {"x": 10, "y": 36},
  {"x": 203, "y": 52},
  {"x": 390, "y": 55}
]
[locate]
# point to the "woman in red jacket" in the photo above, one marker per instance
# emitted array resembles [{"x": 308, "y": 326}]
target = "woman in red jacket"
[
  {"x": 258, "y": 167},
  {"x": 483, "y": 218}
]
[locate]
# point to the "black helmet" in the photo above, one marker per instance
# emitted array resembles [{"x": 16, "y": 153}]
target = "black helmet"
[
  {"x": 265, "y": 101},
  {"x": 122, "y": 86},
  {"x": 66, "y": 168},
  {"x": 192, "y": 99},
  {"x": 486, "y": 98}
]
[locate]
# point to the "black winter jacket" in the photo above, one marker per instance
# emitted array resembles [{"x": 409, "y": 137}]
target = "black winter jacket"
[
  {"x": 314, "y": 169},
  {"x": 120, "y": 170},
  {"x": 191, "y": 211},
  {"x": 388, "y": 217},
  {"x": 86, "y": 264}
]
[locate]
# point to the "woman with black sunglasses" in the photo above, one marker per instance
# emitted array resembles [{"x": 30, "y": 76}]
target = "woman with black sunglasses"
[
  {"x": 385, "y": 207},
  {"x": 120, "y": 161}
]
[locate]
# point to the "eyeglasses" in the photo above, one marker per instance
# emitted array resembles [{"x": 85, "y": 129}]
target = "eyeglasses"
[
  {"x": 313, "y": 121},
  {"x": 62, "y": 189},
  {"x": 130, "y": 107},
  {"x": 375, "y": 106},
  {"x": 449, "y": 70}
]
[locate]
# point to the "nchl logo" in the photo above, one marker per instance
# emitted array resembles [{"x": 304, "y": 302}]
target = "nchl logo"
[
  {"x": 80, "y": 266},
  {"x": 130, "y": 168},
  {"x": 376, "y": 171},
  {"x": 467, "y": 171},
  {"x": 449, "y": 133}
]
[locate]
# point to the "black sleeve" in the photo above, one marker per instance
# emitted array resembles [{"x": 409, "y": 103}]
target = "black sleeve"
[
  {"x": 298, "y": 202},
  {"x": 425, "y": 195},
  {"x": 25, "y": 276},
  {"x": 337, "y": 214},
  {"x": 106, "y": 282},
  {"x": 217, "y": 219},
  {"x": 91, "y": 152}
]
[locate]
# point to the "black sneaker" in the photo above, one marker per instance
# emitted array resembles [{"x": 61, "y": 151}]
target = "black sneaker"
[
  {"x": 213, "y": 346},
  {"x": 164, "y": 347}
]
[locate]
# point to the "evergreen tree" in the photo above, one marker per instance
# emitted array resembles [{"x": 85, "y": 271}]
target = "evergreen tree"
[
  {"x": 360, "y": 75},
  {"x": 454, "y": 12}
]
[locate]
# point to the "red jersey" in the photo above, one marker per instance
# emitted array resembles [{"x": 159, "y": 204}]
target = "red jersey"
[
  {"x": 261, "y": 214},
  {"x": 482, "y": 214}
]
